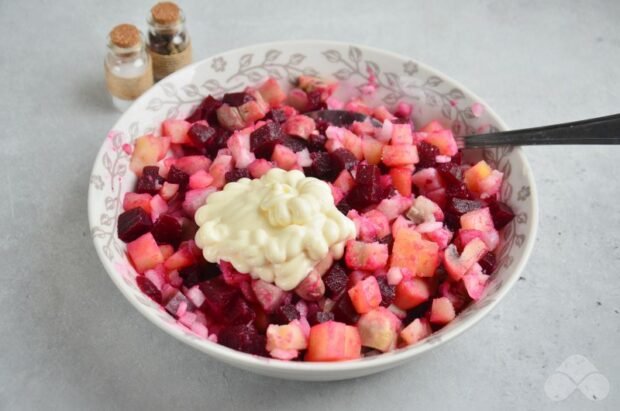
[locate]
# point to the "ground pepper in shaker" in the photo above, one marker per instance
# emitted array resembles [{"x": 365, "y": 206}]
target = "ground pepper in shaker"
[
  {"x": 168, "y": 42},
  {"x": 128, "y": 69}
]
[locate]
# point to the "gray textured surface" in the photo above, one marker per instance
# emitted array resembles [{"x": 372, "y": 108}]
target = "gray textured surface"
[{"x": 68, "y": 339}]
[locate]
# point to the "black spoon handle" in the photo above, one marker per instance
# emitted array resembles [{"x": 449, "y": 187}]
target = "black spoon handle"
[{"x": 601, "y": 130}]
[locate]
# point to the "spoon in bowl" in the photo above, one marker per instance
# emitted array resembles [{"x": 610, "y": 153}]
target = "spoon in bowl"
[{"x": 600, "y": 130}]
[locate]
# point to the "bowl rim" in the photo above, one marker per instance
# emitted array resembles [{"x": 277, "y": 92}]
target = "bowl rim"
[{"x": 382, "y": 361}]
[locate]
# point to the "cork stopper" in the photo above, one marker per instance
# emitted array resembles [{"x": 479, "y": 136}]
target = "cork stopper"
[
  {"x": 165, "y": 13},
  {"x": 125, "y": 36}
]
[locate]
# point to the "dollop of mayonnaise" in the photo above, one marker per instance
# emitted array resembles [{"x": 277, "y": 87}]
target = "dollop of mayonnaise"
[{"x": 276, "y": 228}]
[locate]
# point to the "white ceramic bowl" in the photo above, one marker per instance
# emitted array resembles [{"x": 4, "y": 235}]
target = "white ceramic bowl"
[{"x": 434, "y": 96}]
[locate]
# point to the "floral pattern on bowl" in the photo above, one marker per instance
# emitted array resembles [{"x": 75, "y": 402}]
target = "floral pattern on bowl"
[{"x": 432, "y": 94}]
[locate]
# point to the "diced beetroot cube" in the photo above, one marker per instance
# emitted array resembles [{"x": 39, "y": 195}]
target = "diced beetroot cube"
[
  {"x": 199, "y": 134},
  {"x": 451, "y": 173},
  {"x": 368, "y": 188},
  {"x": 176, "y": 130},
  {"x": 365, "y": 295},
  {"x": 240, "y": 312},
  {"x": 366, "y": 256},
  {"x": 150, "y": 181},
  {"x": 335, "y": 280},
  {"x": 502, "y": 214},
  {"x": 149, "y": 289},
  {"x": 167, "y": 230},
  {"x": 285, "y": 313},
  {"x": 133, "y": 223},
  {"x": 133, "y": 200},
  {"x": 318, "y": 317},
  {"x": 315, "y": 100},
  {"x": 177, "y": 176},
  {"x": 217, "y": 142},
  {"x": 323, "y": 167},
  {"x": 388, "y": 291},
  {"x": 194, "y": 199},
  {"x": 284, "y": 157},
  {"x": 316, "y": 142},
  {"x": 264, "y": 139},
  {"x": 367, "y": 175},
  {"x": 343, "y": 159},
  {"x": 236, "y": 99},
  {"x": 206, "y": 110},
  {"x": 300, "y": 126},
  {"x": 389, "y": 241},
  {"x": 243, "y": 338},
  {"x": 488, "y": 263},
  {"x": 333, "y": 341},
  {"x": 294, "y": 143},
  {"x": 442, "y": 311},
  {"x": 427, "y": 154},
  {"x": 144, "y": 253},
  {"x": 344, "y": 311},
  {"x": 236, "y": 175},
  {"x": 191, "y": 276},
  {"x": 219, "y": 295}
]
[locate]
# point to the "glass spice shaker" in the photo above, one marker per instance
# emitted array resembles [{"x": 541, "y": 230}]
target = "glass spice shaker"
[
  {"x": 128, "y": 69},
  {"x": 168, "y": 42}
]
